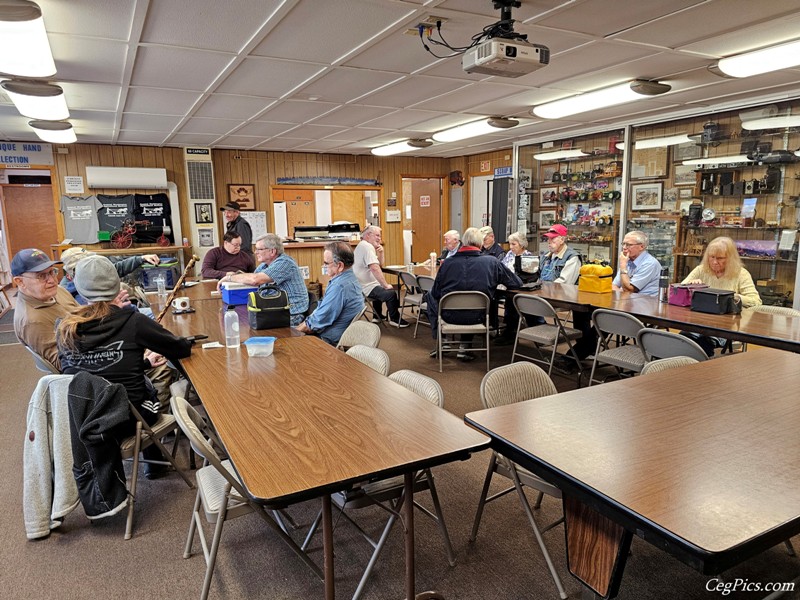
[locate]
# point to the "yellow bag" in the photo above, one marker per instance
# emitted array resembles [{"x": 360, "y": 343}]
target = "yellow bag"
[{"x": 595, "y": 278}]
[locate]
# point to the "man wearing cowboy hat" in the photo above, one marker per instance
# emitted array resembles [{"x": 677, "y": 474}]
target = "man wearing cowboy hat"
[{"x": 238, "y": 225}]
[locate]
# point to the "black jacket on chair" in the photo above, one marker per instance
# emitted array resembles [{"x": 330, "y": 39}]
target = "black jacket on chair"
[{"x": 98, "y": 413}]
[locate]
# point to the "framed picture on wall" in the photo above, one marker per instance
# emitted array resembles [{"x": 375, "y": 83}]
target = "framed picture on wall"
[
  {"x": 205, "y": 236},
  {"x": 548, "y": 196},
  {"x": 546, "y": 218},
  {"x": 647, "y": 196},
  {"x": 203, "y": 212},
  {"x": 685, "y": 151},
  {"x": 684, "y": 175},
  {"x": 244, "y": 194},
  {"x": 547, "y": 172}
]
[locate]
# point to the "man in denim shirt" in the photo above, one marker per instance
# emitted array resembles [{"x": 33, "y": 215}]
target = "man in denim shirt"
[{"x": 343, "y": 299}]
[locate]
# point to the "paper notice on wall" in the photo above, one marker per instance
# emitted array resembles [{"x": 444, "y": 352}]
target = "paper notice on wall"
[
  {"x": 73, "y": 184},
  {"x": 787, "y": 239},
  {"x": 305, "y": 272}
]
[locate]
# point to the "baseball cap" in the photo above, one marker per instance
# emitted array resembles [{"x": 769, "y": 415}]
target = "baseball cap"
[
  {"x": 484, "y": 231},
  {"x": 71, "y": 256},
  {"x": 556, "y": 231},
  {"x": 231, "y": 205},
  {"x": 31, "y": 260},
  {"x": 96, "y": 279}
]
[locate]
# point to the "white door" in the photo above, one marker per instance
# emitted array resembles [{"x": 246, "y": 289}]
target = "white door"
[{"x": 480, "y": 201}]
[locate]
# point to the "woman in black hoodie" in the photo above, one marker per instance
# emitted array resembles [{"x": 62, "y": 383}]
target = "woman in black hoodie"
[{"x": 110, "y": 341}]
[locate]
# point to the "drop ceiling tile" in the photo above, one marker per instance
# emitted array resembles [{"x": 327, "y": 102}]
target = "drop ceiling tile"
[
  {"x": 529, "y": 9},
  {"x": 748, "y": 38},
  {"x": 110, "y": 19},
  {"x": 159, "y": 101},
  {"x": 267, "y": 77},
  {"x": 177, "y": 68},
  {"x": 155, "y": 138},
  {"x": 218, "y": 126},
  {"x": 467, "y": 97},
  {"x": 94, "y": 96},
  {"x": 137, "y": 122},
  {"x": 345, "y": 85},
  {"x": 283, "y": 143},
  {"x": 223, "y": 106},
  {"x": 296, "y": 111},
  {"x": 241, "y": 141},
  {"x": 194, "y": 25},
  {"x": 316, "y": 132},
  {"x": 398, "y": 53},
  {"x": 413, "y": 90},
  {"x": 356, "y": 134},
  {"x": 404, "y": 118},
  {"x": 353, "y": 114},
  {"x": 321, "y": 146},
  {"x": 190, "y": 139},
  {"x": 264, "y": 129},
  {"x": 331, "y": 25},
  {"x": 93, "y": 118},
  {"x": 88, "y": 59}
]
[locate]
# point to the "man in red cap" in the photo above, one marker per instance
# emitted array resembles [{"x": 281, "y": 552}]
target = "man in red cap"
[{"x": 561, "y": 264}]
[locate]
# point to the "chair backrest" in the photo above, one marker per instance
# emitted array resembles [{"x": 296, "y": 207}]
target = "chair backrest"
[
  {"x": 312, "y": 303},
  {"x": 425, "y": 283},
  {"x": 422, "y": 385},
  {"x": 515, "y": 383},
  {"x": 657, "y": 343},
  {"x": 202, "y": 439},
  {"x": 467, "y": 300},
  {"x": 614, "y": 322},
  {"x": 360, "y": 333},
  {"x": 666, "y": 364},
  {"x": 42, "y": 363},
  {"x": 409, "y": 281},
  {"x": 535, "y": 306},
  {"x": 375, "y": 358},
  {"x": 778, "y": 310}
]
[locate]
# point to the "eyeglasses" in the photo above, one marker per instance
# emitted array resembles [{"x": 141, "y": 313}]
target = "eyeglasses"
[
  {"x": 239, "y": 245},
  {"x": 629, "y": 244},
  {"x": 261, "y": 249},
  {"x": 44, "y": 275}
]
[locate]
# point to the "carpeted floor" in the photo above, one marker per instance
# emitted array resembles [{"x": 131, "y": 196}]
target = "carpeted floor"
[{"x": 82, "y": 560}]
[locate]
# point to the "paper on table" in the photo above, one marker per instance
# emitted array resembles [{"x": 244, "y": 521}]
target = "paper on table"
[{"x": 395, "y": 266}]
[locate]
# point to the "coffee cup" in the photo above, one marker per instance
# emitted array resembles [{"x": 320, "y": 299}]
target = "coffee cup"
[{"x": 181, "y": 303}]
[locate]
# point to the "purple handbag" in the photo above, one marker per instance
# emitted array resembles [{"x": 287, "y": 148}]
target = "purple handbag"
[{"x": 680, "y": 294}]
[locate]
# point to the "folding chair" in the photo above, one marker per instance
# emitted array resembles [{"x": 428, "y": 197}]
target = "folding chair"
[
  {"x": 360, "y": 333},
  {"x": 658, "y": 343},
  {"x": 220, "y": 493},
  {"x": 467, "y": 302},
  {"x": 625, "y": 358},
  {"x": 509, "y": 384},
  {"x": 665, "y": 364},
  {"x": 375, "y": 358},
  {"x": 411, "y": 297},
  {"x": 548, "y": 335},
  {"x": 425, "y": 284},
  {"x": 388, "y": 493},
  {"x": 41, "y": 362}
]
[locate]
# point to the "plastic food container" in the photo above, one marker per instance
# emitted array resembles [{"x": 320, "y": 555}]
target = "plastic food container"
[{"x": 260, "y": 346}]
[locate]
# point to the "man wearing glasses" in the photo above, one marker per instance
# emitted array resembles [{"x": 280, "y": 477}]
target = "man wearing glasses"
[
  {"x": 227, "y": 259},
  {"x": 40, "y": 301},
  {"x": 278, "y": 268},
  {"x": 638, "y": 269}
]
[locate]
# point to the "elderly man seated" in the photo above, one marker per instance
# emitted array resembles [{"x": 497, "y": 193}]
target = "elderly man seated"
[
  {"x": 489, "y": 245},
  {"x": 452, "y": 242},
  {"x": 343, "y": 299},
  {"x": 280, "y": 269},
  {"x": 468, "y": 270},
  {"x": 367, "y": 267},
  {"x": 227, "y": 259}
]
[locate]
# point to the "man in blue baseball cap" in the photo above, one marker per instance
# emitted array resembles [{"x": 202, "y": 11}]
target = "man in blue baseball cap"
[{"x": 40, "y": 301}]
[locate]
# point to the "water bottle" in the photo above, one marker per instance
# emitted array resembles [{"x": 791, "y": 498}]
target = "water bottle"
[
  {"x": 231, "y": 327},
  {"x": 433, "y": 259},
  {"x": 161, "y": 286},
  {"x": 663, "y": 286}
]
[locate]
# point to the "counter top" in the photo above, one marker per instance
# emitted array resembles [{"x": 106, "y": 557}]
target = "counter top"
[{"x": 317, "y": 243}]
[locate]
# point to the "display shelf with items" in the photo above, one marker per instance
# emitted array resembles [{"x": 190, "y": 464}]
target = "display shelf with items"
[{"x": 662, "y": 232}]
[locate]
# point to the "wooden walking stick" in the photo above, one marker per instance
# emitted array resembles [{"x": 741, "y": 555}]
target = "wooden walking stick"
[{"x": 178, "y": 285}]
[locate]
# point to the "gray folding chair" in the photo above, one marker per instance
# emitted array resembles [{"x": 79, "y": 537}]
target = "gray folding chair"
[
  {"x": 411, "y": 297},
  {"x": 388, "y": 494},
  {"x": 425, "y": 283},
  {"x": 549, "y": 335},
  {"x": 658, "y": 343},
  {"x": 219, "y": 492},
  {"x": 375, "y": 358},
  {"x": 626, "y": 358},
  {"x": 665, "y": 364},
  {"x": 509, "y": 384},
  {"x": 41, "y": 362},
  {"x": 469, "y": 302},
  {"x": 360, "y": 332}
]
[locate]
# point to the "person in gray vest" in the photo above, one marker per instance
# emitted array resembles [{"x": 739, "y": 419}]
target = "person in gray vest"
[{"x": 561, "y": 264}]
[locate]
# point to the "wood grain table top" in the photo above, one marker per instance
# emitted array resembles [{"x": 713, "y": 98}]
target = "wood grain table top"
[{"x": 704, "y": 464}]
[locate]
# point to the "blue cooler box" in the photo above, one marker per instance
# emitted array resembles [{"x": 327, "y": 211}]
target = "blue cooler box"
[{"x": 236, "y": 295}]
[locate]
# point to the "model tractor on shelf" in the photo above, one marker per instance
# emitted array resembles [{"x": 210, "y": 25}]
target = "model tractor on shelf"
[{"x": 123, "y": 237}]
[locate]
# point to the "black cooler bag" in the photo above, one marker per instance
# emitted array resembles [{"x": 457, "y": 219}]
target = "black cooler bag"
[
  {"x": 268, "y": 308},
  {"x": 714, "y": 301}
]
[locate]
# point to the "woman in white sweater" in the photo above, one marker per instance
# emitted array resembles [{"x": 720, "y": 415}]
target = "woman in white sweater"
[{"x": 721, "y": 268}]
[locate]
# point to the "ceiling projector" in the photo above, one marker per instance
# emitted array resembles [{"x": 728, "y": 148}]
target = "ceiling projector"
[{"x": 505, "y": 58}]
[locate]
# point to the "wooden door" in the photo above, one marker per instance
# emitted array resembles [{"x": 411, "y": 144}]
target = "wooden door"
[
  {"x": 30, "y": 218},
  {"x": 299, "y": 213},
  {"x": 348, "y": 206},
  {"x": 426, "y": 217}
]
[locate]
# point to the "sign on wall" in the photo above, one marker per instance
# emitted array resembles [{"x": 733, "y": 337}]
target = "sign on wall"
[
  {"x": 424, "y": 201},
  {"x": 73, "y": 184},
  {"x": 18, "y": 154}
]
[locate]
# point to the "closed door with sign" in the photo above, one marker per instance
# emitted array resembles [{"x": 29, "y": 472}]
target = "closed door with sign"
[{"x": 426, "y": 216}]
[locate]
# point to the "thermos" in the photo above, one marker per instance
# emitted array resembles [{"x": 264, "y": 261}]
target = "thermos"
[{"x": 663, "y": 286}]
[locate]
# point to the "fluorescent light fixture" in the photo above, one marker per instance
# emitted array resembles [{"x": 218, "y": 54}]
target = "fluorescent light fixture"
[
  {"x": 772, "y": 122},
  {"x": 774, "y": 58},
  {"x": 400, "y": 147},
  {"x": 559, "y": 154},
  {"x": 55, "y": 132},
  {"x": 618, "y": 94},
  {"x": 26, "y": 48},
  {"x": 662, "y": 142},
  {"x": 37, "y": 99},
  {"x": 474, "y": 129},
  {"x": 719, "y": 160}
]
